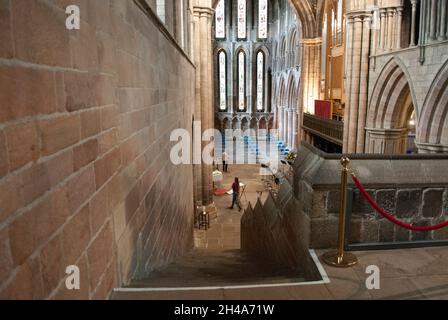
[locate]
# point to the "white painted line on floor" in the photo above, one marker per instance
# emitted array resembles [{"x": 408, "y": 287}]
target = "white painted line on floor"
[
  {"x": 320, "y": 267},
  {"x": 323, "y": 274}
]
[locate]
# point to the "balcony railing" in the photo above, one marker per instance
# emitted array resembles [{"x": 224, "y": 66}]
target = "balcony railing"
[{"x": 330, "y": 130}]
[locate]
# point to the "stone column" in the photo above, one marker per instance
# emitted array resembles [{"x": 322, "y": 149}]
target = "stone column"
[
  {"x": 363, "y": 91},
  {"x": 442, "y": 26},
  {"x": 311, "y": 72},
  {"x": 349, "y": 41},
  {"x": 390, "y": 28},
  {"x": 399, "y": 27},
  {"x": 291, "y": 129},
  {"x": 413, "y": 22},
  {"x": 433, "y": 22},
  {"x": 355, "y": 83},
  {"x": 383, "y": 29},
  {"x": 203, "y": 14},
  {"x": 285, "y": 125},
  {"x": 294, "y": 129},
  {"x": 280, "y": 122}
]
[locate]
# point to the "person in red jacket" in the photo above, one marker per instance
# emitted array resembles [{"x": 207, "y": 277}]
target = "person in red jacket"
[{"x": 236, "y": 194}]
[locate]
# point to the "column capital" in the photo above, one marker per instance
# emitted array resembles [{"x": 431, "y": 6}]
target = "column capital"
[
  {"x": 311, "y": 42},
  {"x": 203, "y": 11}
]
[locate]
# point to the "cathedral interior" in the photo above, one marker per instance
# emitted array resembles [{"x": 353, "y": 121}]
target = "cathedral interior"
[{"x": 351, "y": 94}]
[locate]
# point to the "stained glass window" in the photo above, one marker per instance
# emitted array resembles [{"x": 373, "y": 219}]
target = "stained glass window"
[
  {"x": 220, "y": 20},
  {"x": 241, "y": 19},
  {"x": 260, "y": 80},
  {"x": 262, "y": 19},
  {"x": 241, "y": 81},
  {"x": 222, "y": 81}
]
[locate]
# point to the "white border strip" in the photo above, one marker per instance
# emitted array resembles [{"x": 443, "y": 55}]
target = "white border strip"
[{"x": 323, "y": 274}]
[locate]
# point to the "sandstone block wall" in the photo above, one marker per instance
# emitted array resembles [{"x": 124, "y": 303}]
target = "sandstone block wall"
[{"x": 85, "y": 176}]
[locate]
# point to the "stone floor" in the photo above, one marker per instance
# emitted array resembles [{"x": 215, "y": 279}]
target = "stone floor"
[{"x": 224, "y": 232}]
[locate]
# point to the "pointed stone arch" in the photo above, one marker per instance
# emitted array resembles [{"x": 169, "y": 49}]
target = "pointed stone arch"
[
  {"x": 432, "y": 134},
  {"x": 391, "y": 105}
]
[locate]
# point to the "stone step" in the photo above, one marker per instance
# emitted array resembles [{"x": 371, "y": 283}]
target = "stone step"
[{"x": 220, "y": 268}]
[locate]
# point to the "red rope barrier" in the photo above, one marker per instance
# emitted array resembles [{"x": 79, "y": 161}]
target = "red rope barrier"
[{"x": 391, "y": 218}]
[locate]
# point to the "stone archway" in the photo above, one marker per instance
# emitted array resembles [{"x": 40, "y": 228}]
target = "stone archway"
[
  {"x": 389, "y": 112},
  {"x": 432, "y": 135}
]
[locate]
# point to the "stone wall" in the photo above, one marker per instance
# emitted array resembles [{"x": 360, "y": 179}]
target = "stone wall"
[
  {"x": 413, "y": 188},
  {"x": 306, "y": 215},
  {"x": 85, "y": 119}
]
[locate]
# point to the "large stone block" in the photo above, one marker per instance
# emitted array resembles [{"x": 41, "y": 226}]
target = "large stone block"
[
  {"x": 79, "y": 90},
  {"x": 109, "y": 117},
  {"x": 386, "y": 231},
  {"x": 408, "y": 202},
  {"x": 33, "y": 228},
  {"x": 84, "y": 47},
  {"x": 99, "y": 210},
  {"x": 26, "y": 283},
  {"x": 386, "y": 199},
  {"x": 85, "y": 153},
  {"x": 6, "y": 263},
  {"x": 40, "y": 35},
  {"x": 51, "y": 265},
  {"x": 90, "y": 123},
  {"x": 23, "y": 144},
  {"x": 25, "y": 92},
  {"x": 76, "y": 236},
  {"x": 35, "y": 182},
  {"x": 10, "y": 197},
  {"x": 107, "y": 141},
  {"x": 3, "y": 155},
  {"x": 360, "y": 204},
  {"x": 100, "y": 254},
  {"x": 370, "y": 231},
  {"x": 60, "y": 167},
  {"x": 59, "y": 133},
  {"x": 324, "y": 233},
  {"x": 80, "y": 188},
  {"x": 6, "y": 49},
  {"x": 106, "y": 167},
  {"x": 432, "y": 202},
  {"x": 333, "y": 201}
]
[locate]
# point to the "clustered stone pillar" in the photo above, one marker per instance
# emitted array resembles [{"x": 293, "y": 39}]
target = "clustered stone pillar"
[
  {"x": 203, "y": 14},
  {"x": 311, "y": 72},
  {"x": 358, "y": 43},
  {"x": 413, "y": 22}
]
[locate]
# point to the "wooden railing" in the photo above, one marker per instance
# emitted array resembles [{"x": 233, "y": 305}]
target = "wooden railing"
[{"x": 330, "y": 130}]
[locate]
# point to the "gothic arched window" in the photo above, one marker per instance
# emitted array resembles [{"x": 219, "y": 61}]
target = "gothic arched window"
[
  {"x": 220, "y": 20},
  {"x": 222, "y": 64},
  {"x": 242, "y": 15},
  {"x": 260, "y": 81},
  {"x": 241, "y": 81},
  {"x": 262, "y": 19}
]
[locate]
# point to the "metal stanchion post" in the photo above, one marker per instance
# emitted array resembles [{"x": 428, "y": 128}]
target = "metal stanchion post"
[{"x": 340, "y": 258}]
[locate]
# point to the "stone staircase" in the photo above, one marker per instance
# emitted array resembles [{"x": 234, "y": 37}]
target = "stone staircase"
[{"x": 209, "y": 270}]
